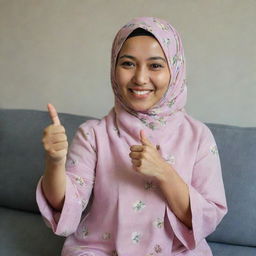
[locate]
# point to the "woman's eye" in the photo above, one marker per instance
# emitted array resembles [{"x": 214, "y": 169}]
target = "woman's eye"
[
  {"x": 127, "y": 64},
  {"x": 156, "y": 66}
]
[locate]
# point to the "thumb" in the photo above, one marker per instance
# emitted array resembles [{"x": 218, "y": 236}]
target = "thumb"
[
  {"x": 144, "y": 140},
  {"x": 53, "y": 114}
]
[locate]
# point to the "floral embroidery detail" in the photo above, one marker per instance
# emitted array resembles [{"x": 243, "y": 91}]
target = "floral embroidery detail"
[
  {"x": 162, "y": 121},
  {"x": 85, "y": 231},
  {"x": 143, "y": 120},
  {"x": 214, "y": 149},
  {"x": 154, "y": 112},
  {"x": 136, "y": 237},
  {"x": 114, "y": 253},
  {"x": 79, "y": 180},
  {"x": 152, "y": 125},
  {"x": 161, "y": 25},
  {"x": 158, "y": 248},
  {"x": 166, "y": 41},
  {"x": 148, "y": 185},
  {"x": 159, "y": 223},
  {"x": 138, "y": 206},
  {"x": 71, "y": 162},
  {"x": 129, "y": 25},
  {"x": 106, "y": 236},
  {"x": 146, "y": 27},
  {"x": 177, "y": 59},
  {"x": 170, "y": 103},
  {"x": 170, "y": 159}
]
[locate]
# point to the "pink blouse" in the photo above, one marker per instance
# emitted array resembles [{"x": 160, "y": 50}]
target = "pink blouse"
[{"x": 129, "y": 215}]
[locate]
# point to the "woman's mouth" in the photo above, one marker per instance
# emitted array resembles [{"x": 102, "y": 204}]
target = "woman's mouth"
[{"x": 140, "y": 94}]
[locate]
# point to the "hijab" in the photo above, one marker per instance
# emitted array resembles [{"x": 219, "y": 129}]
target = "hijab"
[{"x": 173, "y": 101}]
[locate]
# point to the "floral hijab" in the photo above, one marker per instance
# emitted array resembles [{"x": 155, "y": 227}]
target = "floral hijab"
[{"x": 175, "y": 97}]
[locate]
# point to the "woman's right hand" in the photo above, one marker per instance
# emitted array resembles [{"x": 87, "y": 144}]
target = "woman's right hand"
[{"x": 54, "y": 139}]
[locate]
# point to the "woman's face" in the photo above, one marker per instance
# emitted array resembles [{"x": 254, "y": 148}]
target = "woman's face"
[{"x": 142, "y": 72}]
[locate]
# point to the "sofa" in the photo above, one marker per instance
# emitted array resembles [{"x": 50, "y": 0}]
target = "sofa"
[{"x": 22, "y": 229}]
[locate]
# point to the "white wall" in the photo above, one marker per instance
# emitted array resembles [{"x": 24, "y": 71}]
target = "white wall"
[{"x": 59, "y": 51}]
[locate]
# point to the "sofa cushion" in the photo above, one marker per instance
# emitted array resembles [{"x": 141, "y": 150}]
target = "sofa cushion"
[
  {"x": 23, "y": 234},
  {"x": 219, "y": 249},
  {"x": 237, "y": 150},
  {"x": 22, "y": 154}
]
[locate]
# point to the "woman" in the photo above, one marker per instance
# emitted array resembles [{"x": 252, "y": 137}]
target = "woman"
[{"x": 153, "y": 169}]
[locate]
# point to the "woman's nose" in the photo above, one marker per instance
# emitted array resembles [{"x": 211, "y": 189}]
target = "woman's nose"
[{"x": 141, "y": 76}]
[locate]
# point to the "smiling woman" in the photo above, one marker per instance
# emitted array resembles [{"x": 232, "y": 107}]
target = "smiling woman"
[
  {"x": 150, "y": 165},
  {"x": 142, "y": 72}
]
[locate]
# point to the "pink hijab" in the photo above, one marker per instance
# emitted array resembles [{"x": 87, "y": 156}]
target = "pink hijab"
[{"x": 174, "y": 100}]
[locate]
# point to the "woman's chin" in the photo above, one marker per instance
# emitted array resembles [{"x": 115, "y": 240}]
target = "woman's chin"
[{"x": 141, "y": 109}]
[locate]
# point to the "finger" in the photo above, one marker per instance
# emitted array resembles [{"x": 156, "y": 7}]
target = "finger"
[
  {"x": 59, "y": 138},
  {"x": 52, "y": 129},
  {"x": 53, "y": 114},
  {"x": 60, "y": 146},
  {"x": 135, "y": 155},
  {"x": 136, "y": 148},
  {"x": 136, "y": 162},
  {"x": 58, "y": 155},
  {"x": 144, "y": 140}
]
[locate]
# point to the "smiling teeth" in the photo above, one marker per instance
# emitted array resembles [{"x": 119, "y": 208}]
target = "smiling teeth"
[{"x": 140, "y": 92}]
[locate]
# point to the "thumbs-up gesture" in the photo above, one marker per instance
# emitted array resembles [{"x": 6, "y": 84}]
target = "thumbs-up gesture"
[
  {"x": 147, "y": 160},
  {"x": 54, "y": 139}
]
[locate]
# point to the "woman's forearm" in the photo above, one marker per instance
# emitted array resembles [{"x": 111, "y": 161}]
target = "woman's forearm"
[
  {"x": 54, "y": 184},
  {"x": 176, "y": 193}
]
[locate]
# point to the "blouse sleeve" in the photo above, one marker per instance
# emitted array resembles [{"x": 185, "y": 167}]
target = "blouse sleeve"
[
  {"x": 80, "y": 174},
  {"x": 207, "y": 196}
]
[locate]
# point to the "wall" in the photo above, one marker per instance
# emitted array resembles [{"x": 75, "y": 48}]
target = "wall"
[{"x": 59, "y": 51}]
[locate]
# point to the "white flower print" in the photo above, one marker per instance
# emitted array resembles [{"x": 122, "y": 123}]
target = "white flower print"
[
  {"x": 166, "y": 41},
  {"x": 71, "y": 162},
  {"x": 159, "y": 223},
  {"x": 138, "y": 206},
  {"x": 170, "y": 159},
  {"x": 136, "y": 237},
  {"x": 177, "y": 60},
  {"x": 170, "y": 103},
  {"x": 214, "y": 149},
  {"x": 148, "y": 185},
  {"x": 79, "y": 180},
  {"x": 152, "y": 125},
  {"x": 161, "y": 25},
  {"x": 158, "y": 248},
  {"x": 106, "y": 236}
]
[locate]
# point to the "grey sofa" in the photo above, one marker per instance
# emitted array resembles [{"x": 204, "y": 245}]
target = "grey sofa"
[{"x": 22, "y": 230}]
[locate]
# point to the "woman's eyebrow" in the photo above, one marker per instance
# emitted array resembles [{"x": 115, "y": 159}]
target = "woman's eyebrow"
[{"x": 151, "y": 58}]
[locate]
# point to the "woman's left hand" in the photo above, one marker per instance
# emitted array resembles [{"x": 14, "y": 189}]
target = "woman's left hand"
[{"x": 147, "y": 160}]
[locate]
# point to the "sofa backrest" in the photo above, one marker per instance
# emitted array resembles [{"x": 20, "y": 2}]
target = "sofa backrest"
[
  {"x": 22, "y": 154},
  {"x": 237, "y": 151}
]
